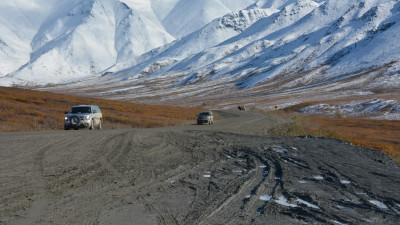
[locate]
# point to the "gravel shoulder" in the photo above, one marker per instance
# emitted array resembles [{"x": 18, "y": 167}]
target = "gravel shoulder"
[{"x": 219, "y": 174}]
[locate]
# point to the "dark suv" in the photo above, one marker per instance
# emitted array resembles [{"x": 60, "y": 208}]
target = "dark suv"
[
  {"x": 205, "y": 117},
  {"x": 83, "y": 116}
]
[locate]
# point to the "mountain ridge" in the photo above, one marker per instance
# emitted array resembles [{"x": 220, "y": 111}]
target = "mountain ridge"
[{"x": 277, "y": 44}]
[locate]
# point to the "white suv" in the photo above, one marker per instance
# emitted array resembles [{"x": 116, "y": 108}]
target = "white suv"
[{"x": 83, "y": 116}]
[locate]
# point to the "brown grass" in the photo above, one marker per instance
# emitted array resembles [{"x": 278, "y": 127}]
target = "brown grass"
[
  {"x": 297, "y": 107},
  {"x": 382, "y": 135},
  {"x": 26, "y": 110}
]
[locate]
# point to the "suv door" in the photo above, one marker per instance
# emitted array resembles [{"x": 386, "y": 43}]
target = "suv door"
[
  {"x": 95, "y": 116},
  {"x": 99, "y": 115}
]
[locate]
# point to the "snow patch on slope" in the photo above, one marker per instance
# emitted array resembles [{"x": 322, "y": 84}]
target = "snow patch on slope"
[
  {"x": 372, "y": 108},
  {"x": 188, "y": 16},
  {"x": 19, "y": 21}
]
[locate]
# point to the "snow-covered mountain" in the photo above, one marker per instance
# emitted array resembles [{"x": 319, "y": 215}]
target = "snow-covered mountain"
[
  {"x": 83, "y": 38},
  {"x": 188, "y": 16},
  {"x": 44, "y": 41},
  {"x": 278, "y": 44},
  {"x": 214, "y": 33},
  {"x": 19, "y": 22},
  {"x": 323, "y": 40}
]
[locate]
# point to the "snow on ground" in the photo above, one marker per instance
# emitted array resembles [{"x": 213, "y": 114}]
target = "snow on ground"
[
  {"x": 337, "y": 222},
  {"x": 265, "y": 197},
  {"x": 371, "y": 108},
  {"x": 283, "y": 201},
  {"x": 307, "y": 203},
  {"x": 379, "y": 204},
  {"x": 318, "y": 177}
]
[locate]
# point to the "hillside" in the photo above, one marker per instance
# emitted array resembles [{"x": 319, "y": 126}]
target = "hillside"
[{"x": 25, "y": 110}]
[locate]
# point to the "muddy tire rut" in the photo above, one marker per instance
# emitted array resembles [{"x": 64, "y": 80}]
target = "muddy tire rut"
[{"x": 219, "y": 174}]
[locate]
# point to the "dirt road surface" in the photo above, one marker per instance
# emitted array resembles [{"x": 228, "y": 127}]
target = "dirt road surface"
[{"x": 219, "y": 174}]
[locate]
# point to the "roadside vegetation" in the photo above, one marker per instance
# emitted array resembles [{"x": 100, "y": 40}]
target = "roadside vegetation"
[
  {"x": 27, "y": 110},
  {"x": 383, "y": 135}
]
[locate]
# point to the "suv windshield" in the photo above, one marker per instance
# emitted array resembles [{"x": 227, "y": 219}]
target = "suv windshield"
[
  {"x": 205, "y": 114},
  {"x": 75, "y": 110}
]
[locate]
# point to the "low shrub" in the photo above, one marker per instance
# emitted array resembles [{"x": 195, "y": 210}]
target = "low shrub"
[
  {"x": 294, "y": 127},
  {"x": 297, "y": 107},
  {"x": 27, "y": 110},
  {"x": 376, "y": 134}
]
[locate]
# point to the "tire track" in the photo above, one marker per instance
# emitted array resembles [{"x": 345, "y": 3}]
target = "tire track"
[
  {"x": 266, "y": 189},
  {"x": 238, "y": 198},
  {"x": 354, "y": 191},
  {"x": 196, "y": 175},
  {"x": 41, "y": 197},
  {"x": 145, "y": 154},
  {"x": 166, "y": 218},
  {"x": 76, "y": 177},
  {"x": 159, "y": 181},
  {"x": 154, "y": 183},
  {"x": 114, "y": 158},
  {"x": 245, "y": 198}
]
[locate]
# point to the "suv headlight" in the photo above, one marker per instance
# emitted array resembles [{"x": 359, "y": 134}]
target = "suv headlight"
[
  {"x": 87, "y": 117},
  {"x": 66, "y": 118}
]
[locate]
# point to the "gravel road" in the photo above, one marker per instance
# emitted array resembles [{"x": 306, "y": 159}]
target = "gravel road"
[{"x": 219, "y": 174}]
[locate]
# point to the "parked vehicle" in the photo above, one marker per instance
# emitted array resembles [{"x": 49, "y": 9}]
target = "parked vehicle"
[
  {"x": 83, "y": 116},
  {"x": 205, "y": 117}
]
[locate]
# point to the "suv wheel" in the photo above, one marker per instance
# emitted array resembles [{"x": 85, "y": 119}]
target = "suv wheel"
[
  {"x": 91, "y": 126},
  {"x": 75, "y": 121},
  {"x": 100, "y": 125}
]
